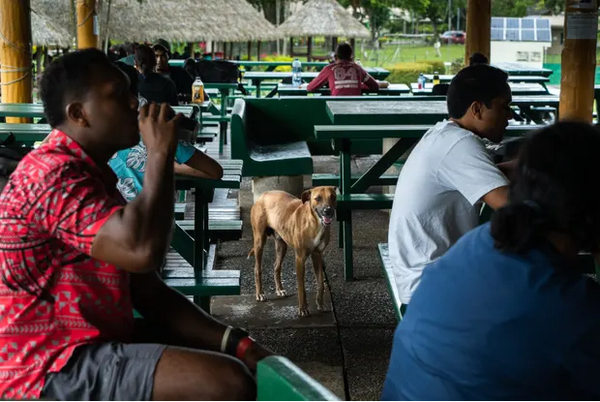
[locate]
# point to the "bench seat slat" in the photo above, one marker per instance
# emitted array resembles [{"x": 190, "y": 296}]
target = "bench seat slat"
[
  {"x": 364, "y": 201},
  {"x": 384, "y": 255}
]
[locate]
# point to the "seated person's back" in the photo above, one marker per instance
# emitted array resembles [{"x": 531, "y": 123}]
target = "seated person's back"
[
  {"x": 345, "y": 78},
  {"x": 504, "y": 315},
  {"x": 153, "y": 86}
]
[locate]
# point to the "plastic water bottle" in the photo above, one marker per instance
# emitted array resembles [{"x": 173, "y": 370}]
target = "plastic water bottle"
[
  {"x": 421, "y": 81},
  {"x": 198, "y": 91},
  {"x": 436, "y": 78},
  {"x": 296, "y": 73}
]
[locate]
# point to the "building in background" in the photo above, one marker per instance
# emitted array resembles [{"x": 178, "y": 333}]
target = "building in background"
[{"x": 520, "y": 40}]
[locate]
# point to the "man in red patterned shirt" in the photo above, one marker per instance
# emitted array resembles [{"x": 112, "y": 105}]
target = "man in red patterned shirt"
[
  {"x": 75, "y": 259},
  {"x": 345, "y": 77}
]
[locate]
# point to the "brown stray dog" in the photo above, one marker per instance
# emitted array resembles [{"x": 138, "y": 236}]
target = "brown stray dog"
[{"x": 303, "y": 224}]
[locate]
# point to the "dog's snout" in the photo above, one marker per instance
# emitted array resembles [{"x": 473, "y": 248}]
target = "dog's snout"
[{"x": 328, "y": 210}]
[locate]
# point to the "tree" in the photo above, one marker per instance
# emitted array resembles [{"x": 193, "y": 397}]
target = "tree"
[
  {"x": 376, "y": 11},
  {"x": 269, "y": 9},
  {"x": 435, "y": 10}
]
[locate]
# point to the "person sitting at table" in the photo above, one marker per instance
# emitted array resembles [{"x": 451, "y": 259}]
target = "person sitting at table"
[
  {"x": 506, "y": 314},
  {"x": 130, "y": 164},
  {"x": 182, "y": 79},
  {"x": 153, "y": 86},
  {"x": 76, "y": 260},
  {"x": 130, "y": 49},
  {"x": 447, "y": 175},
  {"x": 345, "y": 78}
]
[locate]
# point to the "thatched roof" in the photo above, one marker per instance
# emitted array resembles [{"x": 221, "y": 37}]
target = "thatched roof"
[
  {"x": 323, "y": 18},
  {"x": 174, "y": 20}
]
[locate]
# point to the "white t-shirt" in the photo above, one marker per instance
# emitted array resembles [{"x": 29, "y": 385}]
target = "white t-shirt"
[{"x": 437, "y": 199}]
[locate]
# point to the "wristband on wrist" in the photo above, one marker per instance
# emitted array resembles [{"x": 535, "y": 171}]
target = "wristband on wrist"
[
  {"x": 234, "y": 338},
  {"x": 225, "y": 338},
  {"x": 243, "y": 346}
]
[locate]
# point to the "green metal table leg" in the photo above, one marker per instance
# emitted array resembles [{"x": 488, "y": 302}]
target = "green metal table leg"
[
  {"x": 200, "y": 206},
  {"x": 222, "y": 124},
  {"x": 346, "y": 222},
  {"x": 258, "y": 82}
]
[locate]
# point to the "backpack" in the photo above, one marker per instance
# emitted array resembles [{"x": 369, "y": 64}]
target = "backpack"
[{"x": 219, "y": 71}]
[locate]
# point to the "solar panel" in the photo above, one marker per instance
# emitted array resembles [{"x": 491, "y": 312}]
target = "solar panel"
[
  {"x": 521, "y": 29},
  {"x": 498, "y": 34},
  {"x": 527, "y": 23},
  {"x": 513, "y": 23}
]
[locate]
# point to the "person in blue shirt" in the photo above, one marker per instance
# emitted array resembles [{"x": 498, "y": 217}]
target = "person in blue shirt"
[
  {"x": 130, "y": 164},
  {"x": 505, "y": 314}
]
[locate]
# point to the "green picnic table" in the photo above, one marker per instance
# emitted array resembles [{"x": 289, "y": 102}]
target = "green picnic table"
[
  {"x": 528, "y": 79},
  {"x": 225, "y": 89},
  {"x": 270, "y": 65},
  {"x": 515, "y": 87},
  {"x": 290, "y": 90},
  {"x": 520, "y": 69},
  {"x": 36, "y": 110},
  {"x": 197, "y": 251},
  {"x": 407, "y": 121},
  {"x": 257, "y": 77}
]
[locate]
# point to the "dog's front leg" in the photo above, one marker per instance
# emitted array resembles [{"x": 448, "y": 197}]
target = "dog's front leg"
[
  {"x": 317, "y": 260},
  {"x": 302, "y": 305}
]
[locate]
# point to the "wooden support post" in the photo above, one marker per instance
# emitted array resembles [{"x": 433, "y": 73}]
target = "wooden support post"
[
  {"x": 291, "y": 47},
  {"x": 578, "y": 61},
  {"x": 15, "y": 53},
  {"x": 258, "y": 51},
  {"x": 353, "y": 44},
  {"x": 87, "y": 24},
  {"x": 309, "y": 49},
  {"x": 249, "y": 50},
  {"x": 190, "y": 49},
  {"x": 479, "y": 28},
  {"x": 212, "y": 50},
  {"x": 334, "y": 43}
]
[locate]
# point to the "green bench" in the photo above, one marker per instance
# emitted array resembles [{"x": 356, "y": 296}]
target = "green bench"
[
  {"x": 218, "y": 229},
  {"x": 276, "y": 158},
  {"x": 384, "y": 256},
  {"x": 278, "y": 379}
]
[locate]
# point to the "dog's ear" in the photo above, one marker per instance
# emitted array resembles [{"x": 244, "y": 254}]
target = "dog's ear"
[{"x": 305, "y": 196}]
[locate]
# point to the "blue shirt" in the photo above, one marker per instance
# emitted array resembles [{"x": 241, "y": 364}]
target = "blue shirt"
[
  {"x": 130, "y": 165},
  {"x": 487, "y": 325}
]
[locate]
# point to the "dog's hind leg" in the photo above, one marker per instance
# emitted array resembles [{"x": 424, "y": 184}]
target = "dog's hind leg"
[
  {"x": 259, "y": 233},
  {"x": 317, "y": 260},
  {"x": 280, "y": 250}
]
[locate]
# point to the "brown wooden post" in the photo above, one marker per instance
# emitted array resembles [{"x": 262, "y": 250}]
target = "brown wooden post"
[
  {"x": 309, "y": 49},
  {"x": 190, "y": 49},
  {"x": 334, "y": 43},
  {"x": 353, "y": 44},
  {"x": 249, "y": 50},
  {"x": 212, "y": 50},
  {"x": 479, "y": 28},
  {"x": 291, "y": 47},
  {"x": 15, "y": 53},
  {"x": 87, "y": 24},
  {"x": 258, "y": 51},
  {"x": 578, "y": 71}
]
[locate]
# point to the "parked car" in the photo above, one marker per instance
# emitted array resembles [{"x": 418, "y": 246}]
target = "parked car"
[{"x": 453, "y": 37}]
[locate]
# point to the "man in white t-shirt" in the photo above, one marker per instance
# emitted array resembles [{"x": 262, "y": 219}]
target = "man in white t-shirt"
[{"x": 448, "y": 174}]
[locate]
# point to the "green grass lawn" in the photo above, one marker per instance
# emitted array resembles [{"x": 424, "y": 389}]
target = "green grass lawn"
[{"x": 394, "y": 54}]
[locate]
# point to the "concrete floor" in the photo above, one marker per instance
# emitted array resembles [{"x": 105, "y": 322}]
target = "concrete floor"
[{"x": 345, "y": 348}]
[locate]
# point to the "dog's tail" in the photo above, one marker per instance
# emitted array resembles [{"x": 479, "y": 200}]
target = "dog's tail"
[{"x": 250, "y": 254}]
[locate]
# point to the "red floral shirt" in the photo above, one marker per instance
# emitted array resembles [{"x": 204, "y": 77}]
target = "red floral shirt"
[{"x": 53, "y": 295}]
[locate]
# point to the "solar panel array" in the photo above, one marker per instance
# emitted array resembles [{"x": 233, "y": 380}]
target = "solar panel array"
[{"x": 521, "y": 29}]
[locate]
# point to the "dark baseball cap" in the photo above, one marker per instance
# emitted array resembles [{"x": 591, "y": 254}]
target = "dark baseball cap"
[{"x": 162, "y": 44}]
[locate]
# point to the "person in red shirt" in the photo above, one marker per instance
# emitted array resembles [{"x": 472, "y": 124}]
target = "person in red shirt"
[
  {"x": 345, "y": 78},
  {"x": 76, "y": 259}
]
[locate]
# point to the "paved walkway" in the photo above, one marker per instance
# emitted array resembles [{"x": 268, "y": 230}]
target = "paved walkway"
[{"x": 346, "y": 348}]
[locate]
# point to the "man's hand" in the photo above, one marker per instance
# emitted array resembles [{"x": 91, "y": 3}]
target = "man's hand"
[
  {"x": 159, "y": 133},
  {"x": 254, "y": 354}
]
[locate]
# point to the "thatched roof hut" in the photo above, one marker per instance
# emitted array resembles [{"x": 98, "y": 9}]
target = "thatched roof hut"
[
  {"x": 46, "y": 32},
  {"x": 323, "y": 18},
  {"x": 173, "y": 20}
]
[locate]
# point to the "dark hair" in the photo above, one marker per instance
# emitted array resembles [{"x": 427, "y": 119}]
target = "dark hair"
[
  {"x": 478, "y": 58},
  {"x": 145, "y": 59},
  {"x": 68, "y": 77},
  {"x": 477, "y": 83},
  {"x": 130, "y": 48},
  {"x": 554, "y": 189},
  {"x": 344, "y": 51},
  {"x": 131, "y": 73}
]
